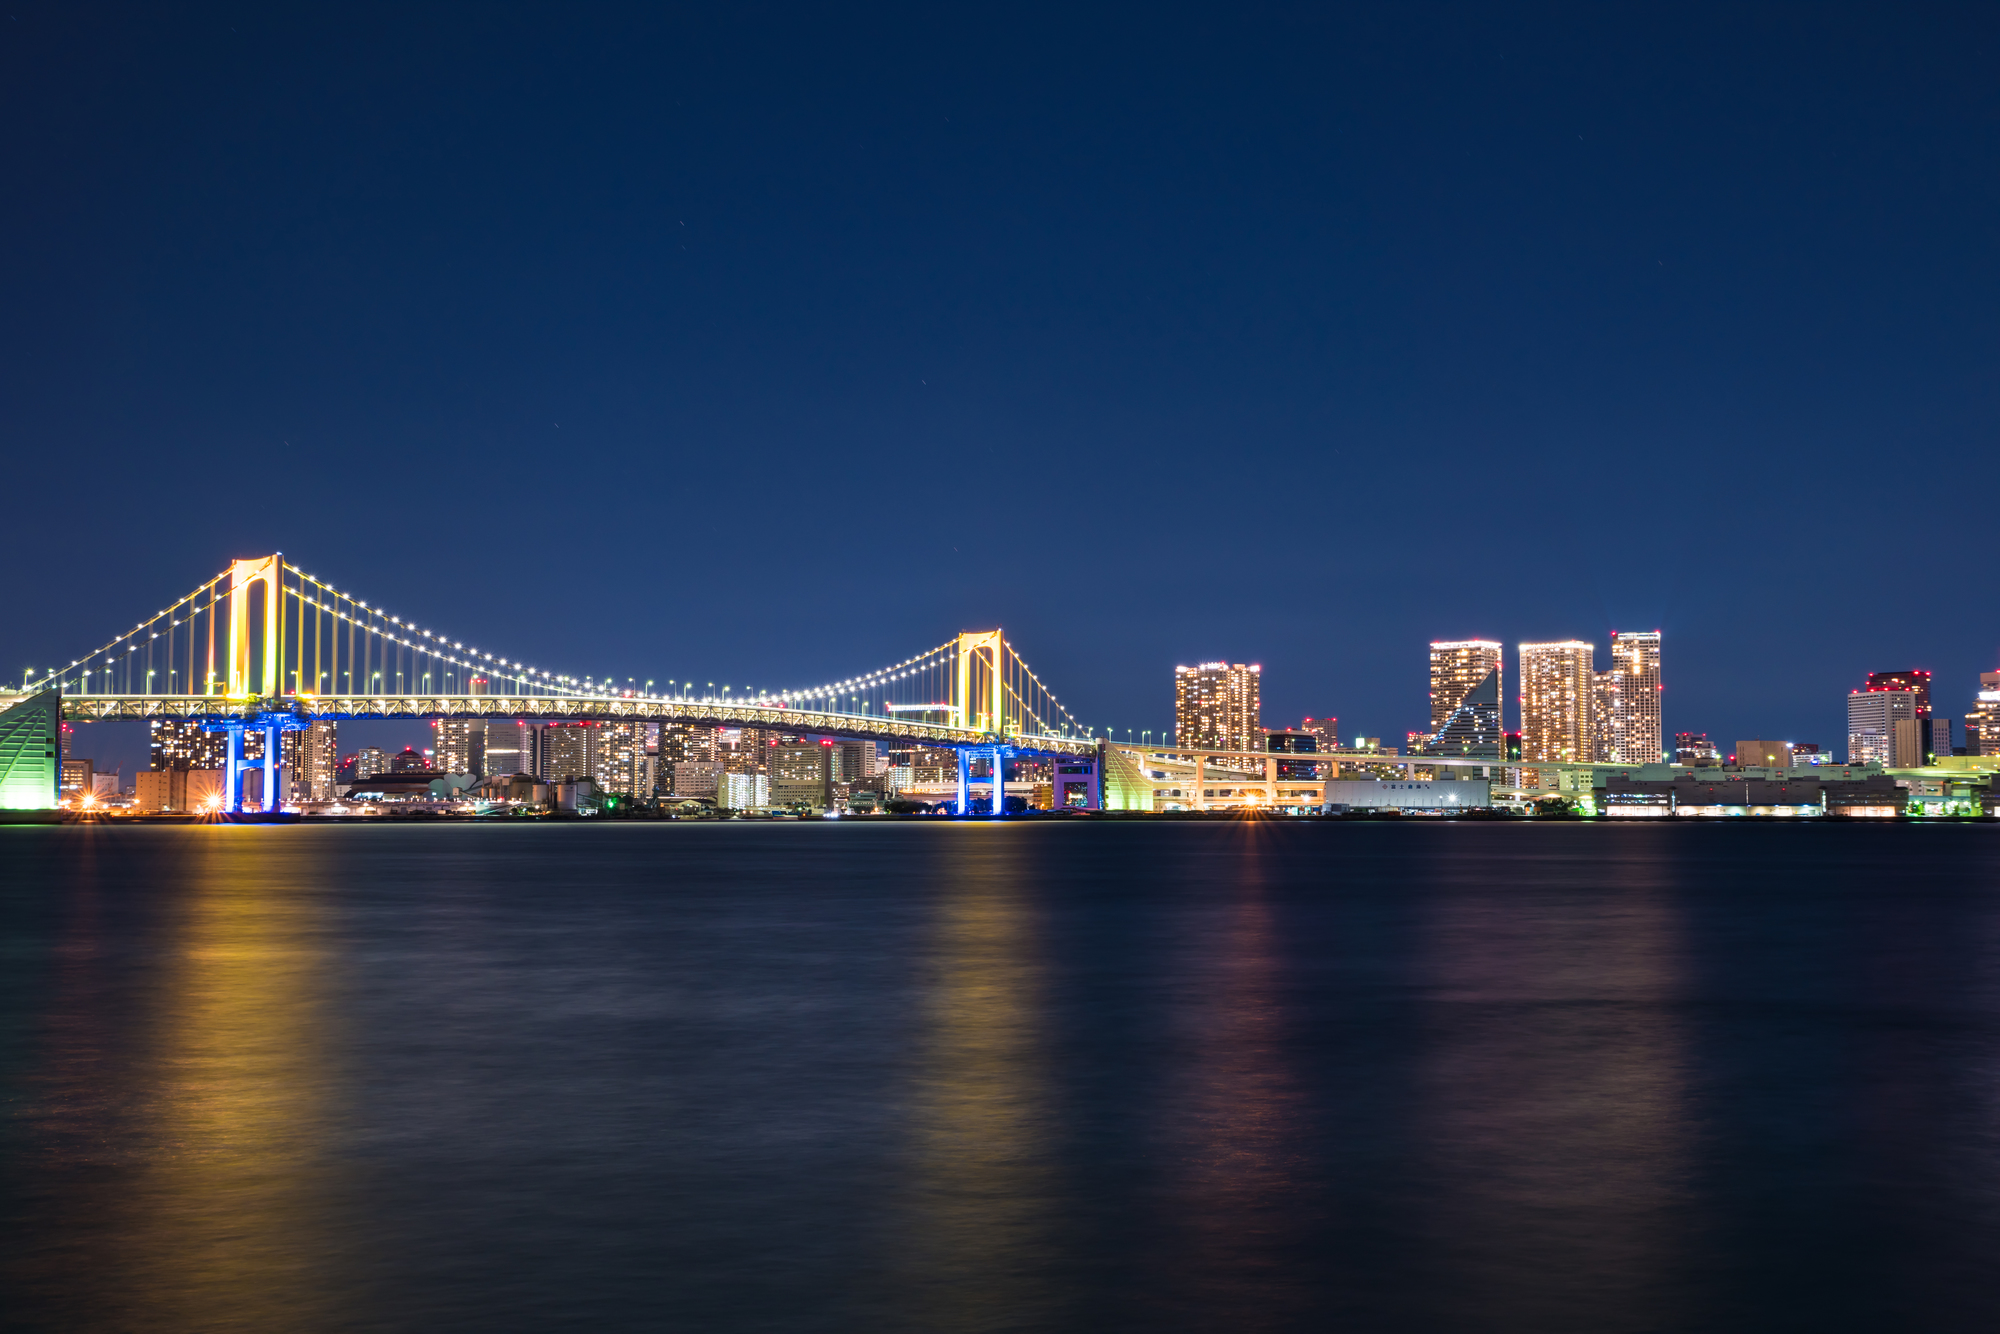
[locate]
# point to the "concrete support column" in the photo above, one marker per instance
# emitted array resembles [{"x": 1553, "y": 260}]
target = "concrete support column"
[
  {"x": 271, "y": 766},
  {"x": 964, "y": 780},
  {"x": 232, "y": 786}
]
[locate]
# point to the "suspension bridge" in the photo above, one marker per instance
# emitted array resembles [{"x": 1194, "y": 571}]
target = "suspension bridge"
[{"x": 265, "y": 647}]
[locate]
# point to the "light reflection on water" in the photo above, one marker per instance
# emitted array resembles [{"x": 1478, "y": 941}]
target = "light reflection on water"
[
  {"x": 1553, "y": 1102},
  {"x": 983, "y": 1217},
  {"x": 1243, "y": 1190},
  {"x": 912, "y": 1077},
  {"x": 192, "y": 1074}
]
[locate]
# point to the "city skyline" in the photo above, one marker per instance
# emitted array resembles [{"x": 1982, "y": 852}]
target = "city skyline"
[
  {"x": 1630, "y": 653},
  {"x": 596, "y": 275}
]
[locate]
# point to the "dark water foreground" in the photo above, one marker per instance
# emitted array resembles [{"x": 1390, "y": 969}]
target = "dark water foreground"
[{"x": 1047, "y": 1077}]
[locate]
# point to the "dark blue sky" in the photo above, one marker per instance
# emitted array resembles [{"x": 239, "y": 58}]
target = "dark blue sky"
[{"x": 778, "y": 346}]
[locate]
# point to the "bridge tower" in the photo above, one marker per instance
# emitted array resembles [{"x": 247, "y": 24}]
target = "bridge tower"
[
  {"x": 986, "y": 712},
  {"x": 244, "y": 575}
]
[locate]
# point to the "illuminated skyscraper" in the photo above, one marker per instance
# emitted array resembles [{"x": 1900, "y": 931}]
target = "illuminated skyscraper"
[
  {"x": 1219, "y": 706},
  {"x": 1558, "y": 701},
  {"x": 1326, "y": 730},
  {"x": 569, "y": 752},
  {"x": 1917, "y": 683},
  {"x": 620, "y": 759},
  {"x": 1457, "y": 666},
  {"x": 1465, "y": 699},
  {"x": 459, "y": 745},
  {"x": 1633, "y": 721},
  {"x": 504, "y": 749},
  {"x": 310, "y": 758}
]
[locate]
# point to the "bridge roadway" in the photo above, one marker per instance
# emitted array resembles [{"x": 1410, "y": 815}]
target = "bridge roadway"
[{"x": 556, "y": 708}]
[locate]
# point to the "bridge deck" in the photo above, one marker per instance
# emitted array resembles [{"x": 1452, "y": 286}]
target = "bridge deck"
[{"x": 554, "y": 708}]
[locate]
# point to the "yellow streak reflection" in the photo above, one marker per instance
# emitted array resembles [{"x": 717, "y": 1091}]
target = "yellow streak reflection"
[
  {"x": 231, "y": 1219},
  {"x": 982, "y": 1211}
]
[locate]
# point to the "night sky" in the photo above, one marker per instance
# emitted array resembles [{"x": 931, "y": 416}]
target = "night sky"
[{"x": 774, "y": 347}]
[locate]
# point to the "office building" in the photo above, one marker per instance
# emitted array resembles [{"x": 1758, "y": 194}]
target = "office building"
[
  {"x": 370, "y": 762},
  {"x": 1872, "y": 716},
  {"x": 459, "y": 745},
  {"x": 1906, "y": 744},
  {"x": 1918, "y": 683},
  {"x": 76, "y": 778},
  {"x": 569, "y": 752},
  {"x": 1627, "y": 701},
  {"x": 312, "y": 757},
  {"x": 503, "y": 749},
  {"x": 1465, "y": 700},
  {"x": 1218, "y": 706},
  {"x": 853, "y": 761},
  {"x": 801, "y": 774},
  {"x": 1938, "y": 740},
  {"x": 1558, "y": 702},
  {"x": 178, "y": 743},
  {"x": 1293, "y": 743},
  {"x": 410, "y": 760},
  {"x": 179, "y": 790},
  {"x": 1325, "y": 730},
  {"x": 694, "y": 778},
  {"x": 619, "y": 761}
]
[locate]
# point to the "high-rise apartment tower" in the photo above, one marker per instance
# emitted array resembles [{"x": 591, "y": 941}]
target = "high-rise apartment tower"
[
  {"x": 1466, "y": 699},
  {"x": 620, "y": 762},
  {"x": 1629, "y": 700},
  {"x": 459, "y": 745},
  {"x": 1219, "y": 706},
  {"x": 1557, "y": 702}
]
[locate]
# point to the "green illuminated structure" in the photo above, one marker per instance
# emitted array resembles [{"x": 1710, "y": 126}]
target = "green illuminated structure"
[{"x": 29, "y": 764}]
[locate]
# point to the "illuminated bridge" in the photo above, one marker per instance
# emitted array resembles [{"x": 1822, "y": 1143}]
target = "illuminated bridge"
[{"x": 266, "y": 647}]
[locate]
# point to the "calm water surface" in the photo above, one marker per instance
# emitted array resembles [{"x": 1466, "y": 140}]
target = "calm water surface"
[{"x": 925, "y": 1076}]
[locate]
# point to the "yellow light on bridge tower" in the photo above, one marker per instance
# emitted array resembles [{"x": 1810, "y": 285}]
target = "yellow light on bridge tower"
[
  {"x": 243, "y": 575},
  {"x": 985, "y": 713}
]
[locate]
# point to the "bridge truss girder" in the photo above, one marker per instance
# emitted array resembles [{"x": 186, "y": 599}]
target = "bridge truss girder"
[{"x": 553, "y": 708}]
